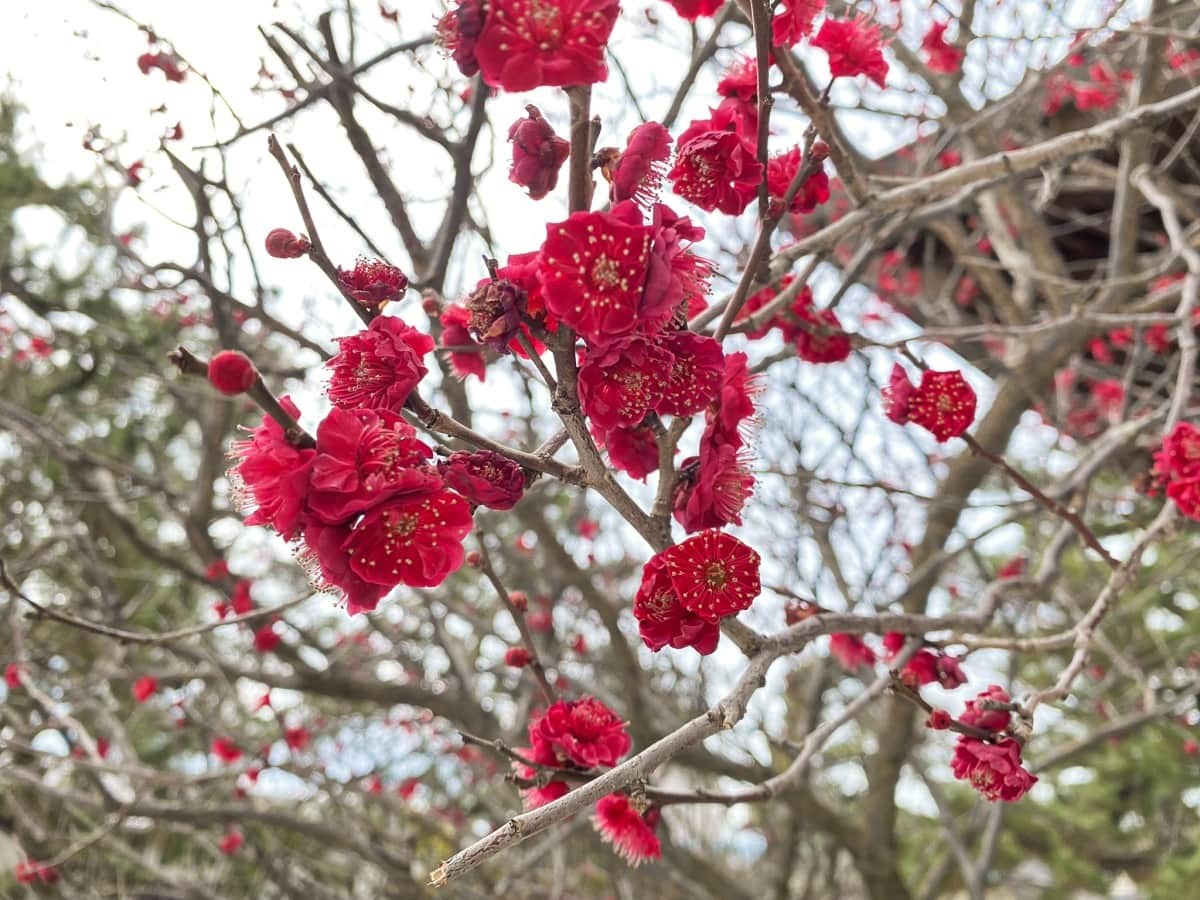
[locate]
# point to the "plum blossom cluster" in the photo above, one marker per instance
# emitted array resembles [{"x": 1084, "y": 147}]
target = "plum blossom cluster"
[
  {"x": 1177, "y": 468},
  {"x": 576, "y": 737},
  {"x": 993, "y": 764},
  {"x": 366, "y": 504}
]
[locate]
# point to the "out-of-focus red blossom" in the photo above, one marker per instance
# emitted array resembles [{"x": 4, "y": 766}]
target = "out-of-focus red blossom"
[
  {"x": 133, "y": 173},
  {"x": 542, "y": 754},
  {"x": 454, "y": 320},
  {"x": 231, "y": 372},
  {"x": 517, "y": 657},
  {"x": 716, "y": 166},
  {"x": 379, "y": 366},
  {"x": 794, "y": 21},
  {"x": 943, "y": 404},
  {"x": 364, "y": 457},
  {"x": 994, "y": 770},
  {"x": 216, "y": 570},
  {"x": 782, "y": 170},
  {"x": 622, "y": 381},
  {"x": 485, "y": 478},
  {"x": 240, "y": 601},
  {"x": 274, "y": 474},
  {"x": 713, "y": 487},
  {"x": 940, "y": 56},
  {"x": 632, "y": 450},
  {"x": 593, "y": 270},
  {"x": 231, "y": 842},
  {"x": 638, "y": 173},
  {"x": 893, "y": 643},
  {"x": 373, "y": 281},
  {"x": 538, "y": 153},
  {"x": 526, "y": 44},
  {"x": 695, "y": 9},
  {"x": 855, "y": 47},
  {"x": 458, "y": 32},
  {"x": 266, "y": 639},
  {"x": 938, "y": 720},
  {"x": 1191, "y": 747},
  {"x": 662, "y": 619},
  {"x": 415, "y": 541},
  {"x": 1177, "y": 465},
  {"x": 1109, "y": 395},
  {"x": 1013, "y": 568},
  {"x": 628, "y": 832},
  {"x": 167, "y": 63},
  {"x": 818, "y": 336},
  {"x": 144, "y": 688},
  {"x": 584, "y": 732},
  {"x": 980, "y": 715},
  {"x": 226, "y": 750},
  {"x": 30, "y": 871},
  {"x": 850, "y": 651},
  {"x": 587, "y": 529},
  {"x": 297, "y": 737},
  {"x": 12, "y": 676},
  {"x": 283, "y": 244},
  {"x": 713, "y": 574}
]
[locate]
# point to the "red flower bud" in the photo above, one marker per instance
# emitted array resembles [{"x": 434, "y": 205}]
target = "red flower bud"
[
  {"x": 517, "y": 657},
  {"x": 519, "y": 601},
  {"x": 282, "y": 244},
  {"x": 474, "y": 559},
  {"x": 231, "y": 372},
  {"x": 939, "y": 720}
]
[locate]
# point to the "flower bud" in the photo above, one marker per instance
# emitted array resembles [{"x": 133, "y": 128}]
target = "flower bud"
[
  {"x": 282, "y": 244},
  {"x": 231, "y": 372}
]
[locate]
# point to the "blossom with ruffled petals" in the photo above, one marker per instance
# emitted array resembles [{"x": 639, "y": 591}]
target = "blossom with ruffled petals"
[
  {"x": 484, "y": 477},
  {"x": 622, "y": 381},
  {"x": 632, "y": 450},
  {"x": 584, "y": 732},
  {"x": 373, "y": 281},
  {"x": 526, "y": 44},
  {"x": 794, "y": 21},
  {"x": 994, "y": 770},
  {"x": 273, "y": 474},
  {"x": 716, "y": 167},
  {"x": 364, "y": 457},
  {"x": 782, "y": 170},
  {"x": 980, "y": 714},
  {"x": 379, "y": 366},
  {"x": 855, "y": 47}
]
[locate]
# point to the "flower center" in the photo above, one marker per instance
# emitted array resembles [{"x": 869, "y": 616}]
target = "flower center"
[
  {"x": 403, "y": 525},
  {"x": 605, "y": 273},
  {"x": 716, "y": 576}
]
